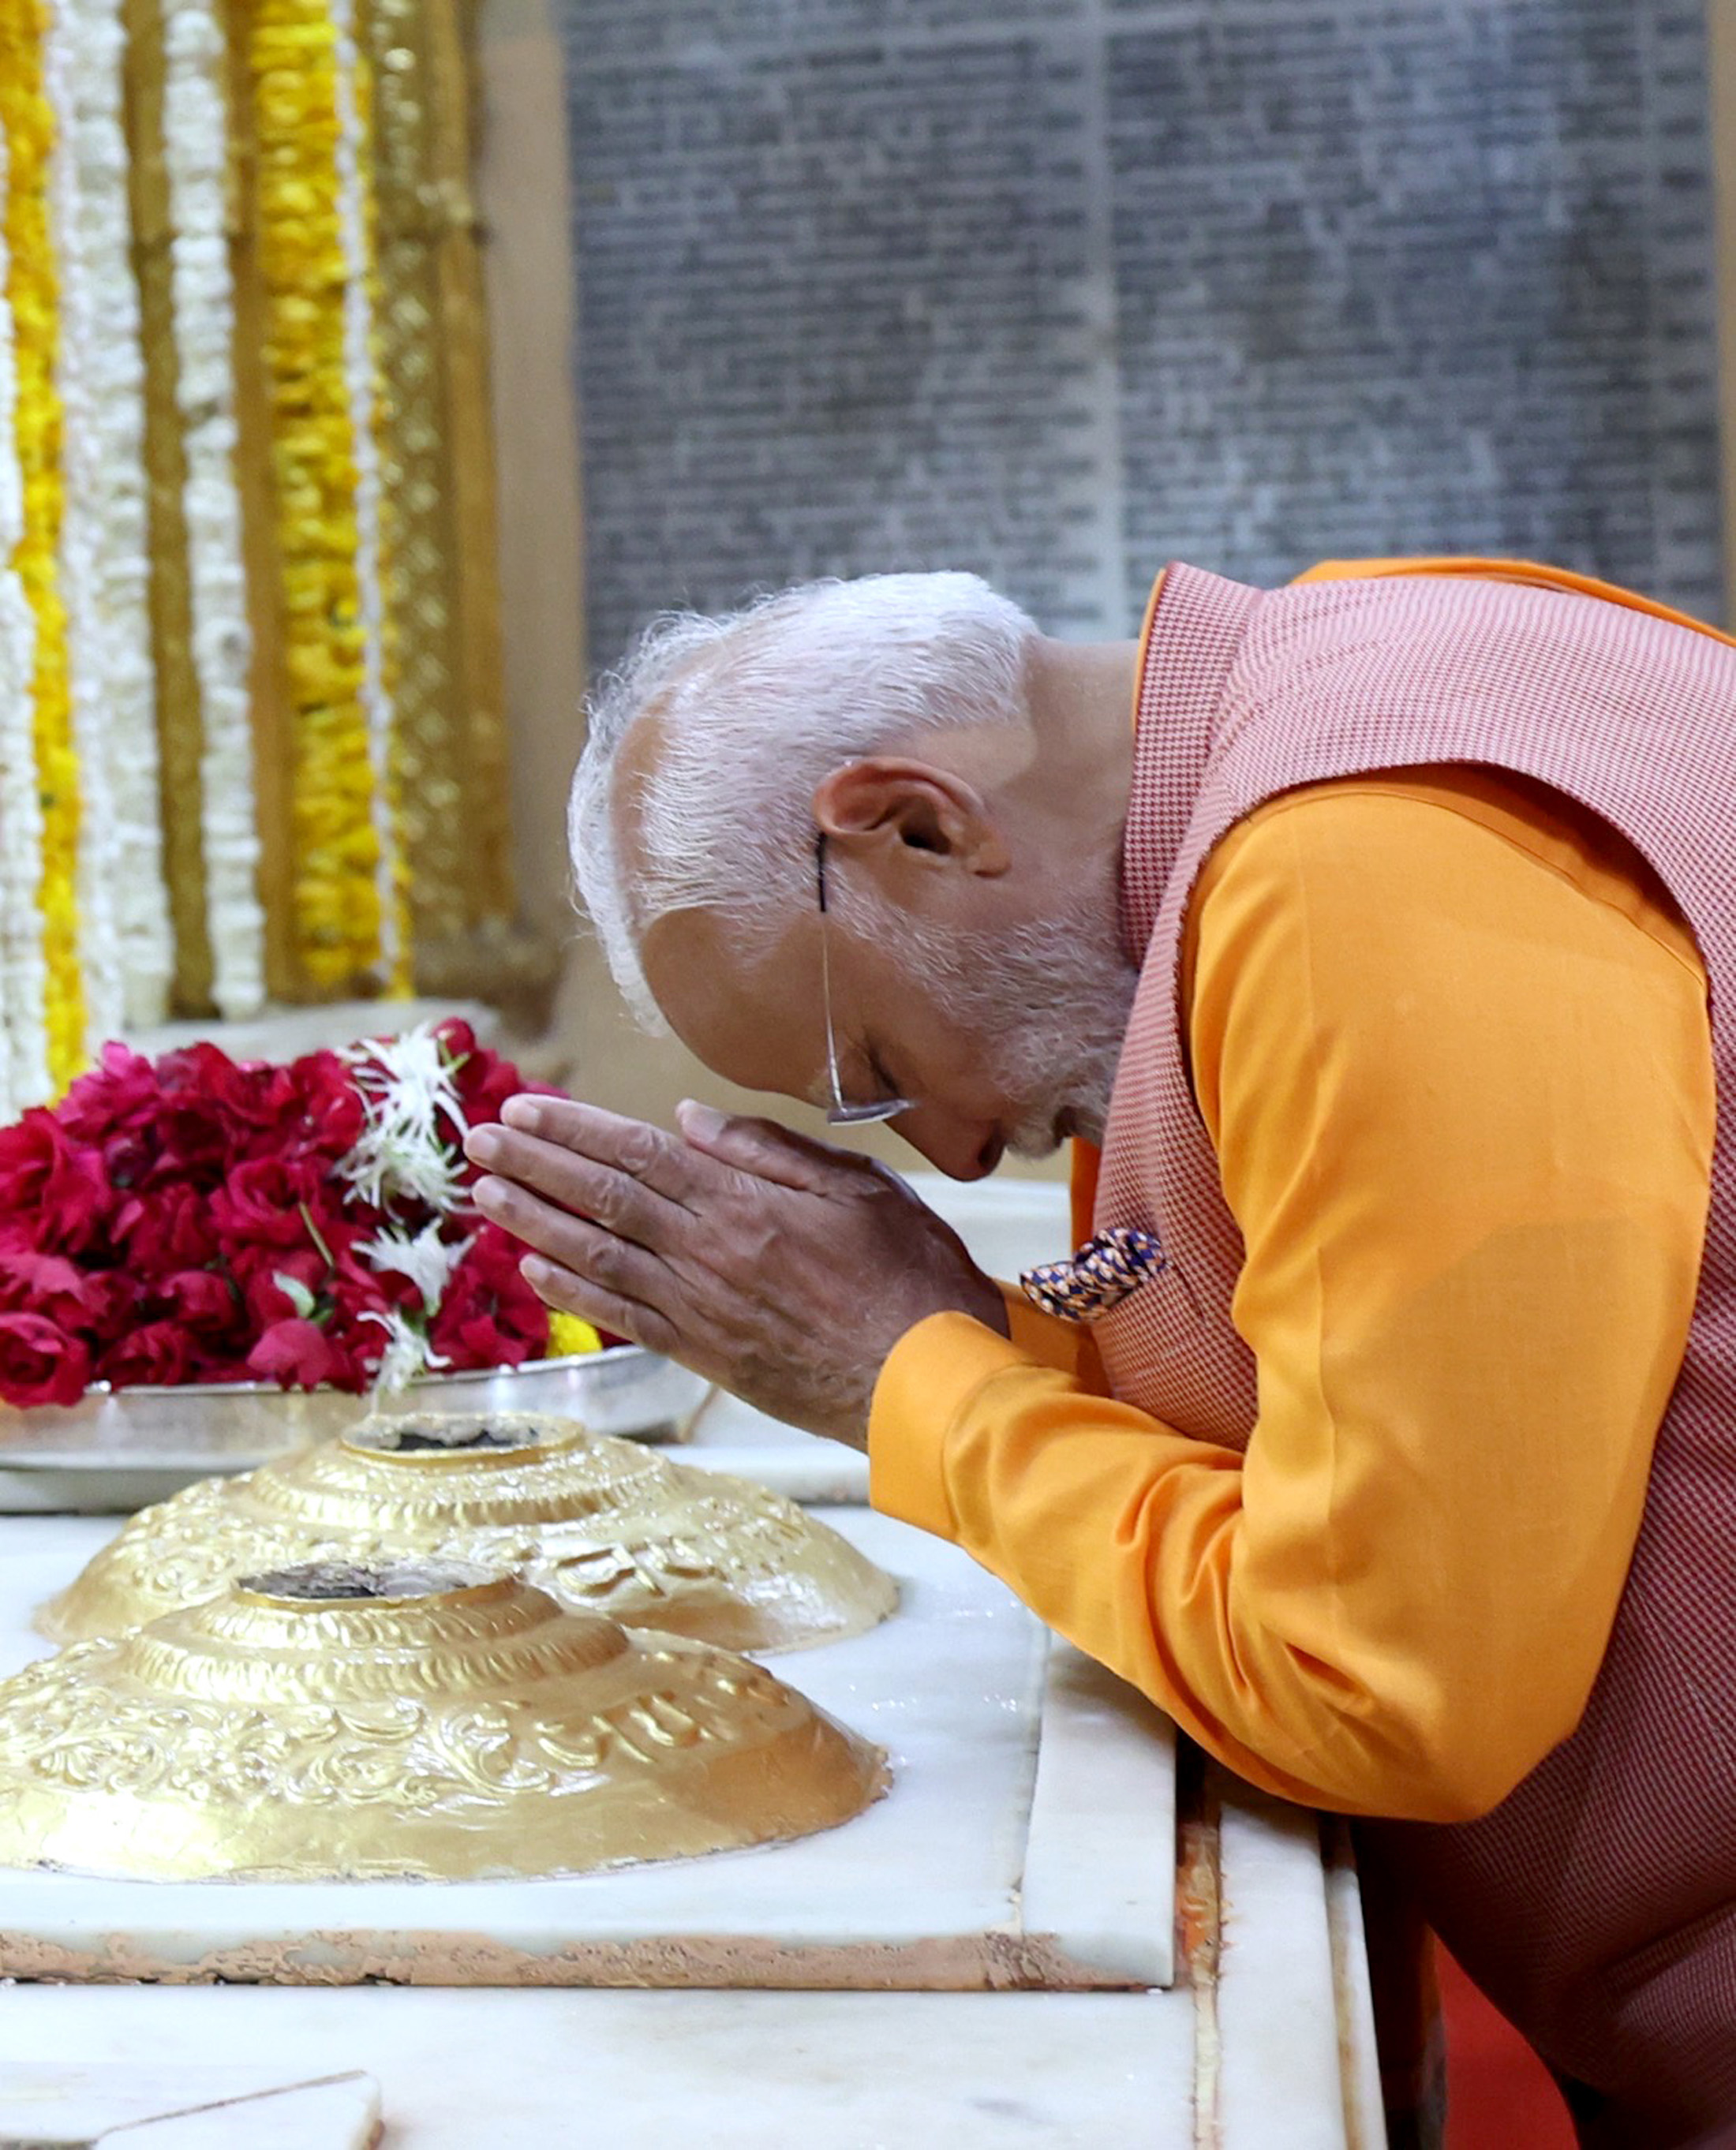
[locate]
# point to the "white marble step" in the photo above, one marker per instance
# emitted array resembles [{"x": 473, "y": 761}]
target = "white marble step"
[
  {"x": 590, "y": 2071},
  {"x": 133, "y": 2105}
]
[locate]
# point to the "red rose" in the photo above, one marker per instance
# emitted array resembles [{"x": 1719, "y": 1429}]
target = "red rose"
[
  {"x": 329, "y": 1105},
  {"x": 487, "y": 1080},
  {"x": 310, "y": 1108},
  {"x": 204, "y": 1302},
  {"x": 277, "y": 1283},
  {"x": 353, "y": 1289},
  {"x": 129, "y": 1157},
  {"x": 33, "y": 1283},
  {"x": 120, "y": 1095},
  {"x": 294, "y": 1353},
  {"x": 113, "y": 1298},
  {"x": 51, "y": 1187},
  {"x": 153, "y": 1355},
  {"x": 40, "y": 1362},
  {"x": 489, "y": 1316},
  {"x": 166, "y": 1230},
  {"x": 261, "y": 1202},
  {"x": 258, "y": 1095},
  {"x": 485, "y": 1086},
  {"x": 193, "y": 1127}
]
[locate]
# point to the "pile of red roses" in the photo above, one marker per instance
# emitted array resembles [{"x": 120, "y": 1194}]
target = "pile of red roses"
[{"x": 185, "y": 1219}]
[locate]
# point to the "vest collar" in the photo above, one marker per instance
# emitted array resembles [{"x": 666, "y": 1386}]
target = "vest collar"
[{"x": 1192, "y": 630}]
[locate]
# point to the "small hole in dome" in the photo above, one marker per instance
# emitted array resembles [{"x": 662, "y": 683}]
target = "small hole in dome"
[
  {"x": 464, "y": 1434},
  {"x": 342, "y": 1582}
]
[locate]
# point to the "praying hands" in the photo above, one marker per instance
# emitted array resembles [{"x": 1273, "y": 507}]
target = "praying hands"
[{"x": 781, "y": 1269}]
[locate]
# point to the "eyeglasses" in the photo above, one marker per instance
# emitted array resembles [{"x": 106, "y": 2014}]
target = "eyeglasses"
[{"x": 841, "y": 1112}]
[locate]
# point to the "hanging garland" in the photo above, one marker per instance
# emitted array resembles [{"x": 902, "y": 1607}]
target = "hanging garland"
[
  {"x": 357, "y": 230},
  {"x": 33, "y": 296},
  {"x": 126, "y": 939},
  {"x": 310, "y": 110},
  {"x": 68, "y": 60},
  {"x": 24, "y": 1077},
  {"x": 195, "y": 133}
]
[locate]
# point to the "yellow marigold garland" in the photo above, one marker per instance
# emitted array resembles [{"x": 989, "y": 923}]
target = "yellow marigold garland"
[
  {"x": 33, "y": 298},
  {"x": 293, "y": 63}
]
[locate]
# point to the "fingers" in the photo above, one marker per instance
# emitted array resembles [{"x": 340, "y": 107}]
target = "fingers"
[
  {"x": 644, "y": 1154},
  {"x": 612, "y": 1263},
  {"x": 572, "y": 1294},
  {"x": 602, "y": 1192},
  {"x": 764, "y": 1149}
]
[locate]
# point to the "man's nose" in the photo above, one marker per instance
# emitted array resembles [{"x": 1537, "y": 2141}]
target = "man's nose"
[{"x": 963, "y": 1149}]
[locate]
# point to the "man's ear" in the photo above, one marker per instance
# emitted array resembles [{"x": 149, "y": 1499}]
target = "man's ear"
[{"x": 886, "y": 803}]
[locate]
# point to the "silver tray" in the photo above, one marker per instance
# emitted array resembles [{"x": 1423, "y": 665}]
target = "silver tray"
[{"x": 120, "y": 1448}]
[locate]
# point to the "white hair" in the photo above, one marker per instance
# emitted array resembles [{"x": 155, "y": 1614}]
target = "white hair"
[{"x": 756, "y": 708}]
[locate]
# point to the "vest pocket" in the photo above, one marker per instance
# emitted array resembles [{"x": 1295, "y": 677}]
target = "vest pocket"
[
  {"x": 1161, "y": 1354},
  {"x": 1159, "y": 1320}
]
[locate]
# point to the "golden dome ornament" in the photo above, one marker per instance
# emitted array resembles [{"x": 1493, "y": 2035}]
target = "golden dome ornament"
[
  {"x": 425, "y": 1720},
  {"x": 604, "y": 1526}
]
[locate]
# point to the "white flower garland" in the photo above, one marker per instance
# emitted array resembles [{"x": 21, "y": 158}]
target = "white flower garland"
[
  {"x": 195, "y": 126},
  {"x": 413, "y": 1134},
  {"x": 122, "y": 592},
  {"x": 411, "y": 1146},
  {"x": 126, "y": 946},
  {"x": 407, "y": 1354},
  {"x": 23, "y": 969},
  {"x": 358, "y": 372},
  {"x": 427, "y": 1260}
]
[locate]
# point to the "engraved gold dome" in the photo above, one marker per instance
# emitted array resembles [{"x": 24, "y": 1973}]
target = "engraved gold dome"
[
  {"x": 604, "y": 1526},
  {"x": 422, "y": 1719}
]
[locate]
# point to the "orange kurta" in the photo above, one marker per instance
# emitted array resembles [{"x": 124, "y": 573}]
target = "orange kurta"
[{"x": 1397, "y": 1601}]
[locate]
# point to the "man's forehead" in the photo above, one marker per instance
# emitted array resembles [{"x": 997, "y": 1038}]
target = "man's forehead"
[{"x": 753, "y": 1016}]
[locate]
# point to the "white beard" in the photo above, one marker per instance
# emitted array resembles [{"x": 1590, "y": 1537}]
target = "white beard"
[{"x": 1050, "y": 1006}]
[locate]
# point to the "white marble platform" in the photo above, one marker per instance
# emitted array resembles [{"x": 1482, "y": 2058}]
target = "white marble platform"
[
  {"x": 1027, "y": 1838},
  {"x": 1264, "y": 2042}
]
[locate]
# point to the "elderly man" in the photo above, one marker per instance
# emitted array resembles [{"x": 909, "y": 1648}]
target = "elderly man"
[{"x": 1384, "y": 1429}]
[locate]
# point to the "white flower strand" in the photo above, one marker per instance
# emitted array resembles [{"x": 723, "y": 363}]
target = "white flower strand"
[
  {"x": 407, "y": 1352},
  {"x": 71, "y": 52},
  {"x": 196, "y": 131},
  {"x": 24, "y": 1078},
  {"x": 408, "y": 1092},
  {"x": 427, "y": 1260},
  {"x": 111, "y": 502},
  {"x": 359, "y": 382}
]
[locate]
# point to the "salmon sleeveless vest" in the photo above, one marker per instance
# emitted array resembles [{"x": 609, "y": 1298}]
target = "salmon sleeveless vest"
[{"x": 1596, "y": 1905}]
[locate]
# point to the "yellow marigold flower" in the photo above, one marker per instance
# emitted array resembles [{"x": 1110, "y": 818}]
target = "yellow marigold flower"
[{"x": 569, "y": 1336}]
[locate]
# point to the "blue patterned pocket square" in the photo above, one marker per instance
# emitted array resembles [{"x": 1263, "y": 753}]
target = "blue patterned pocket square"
[{"x": 1098, "y": 1277}]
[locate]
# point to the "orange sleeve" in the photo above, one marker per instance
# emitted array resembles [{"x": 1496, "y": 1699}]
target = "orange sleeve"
[
  {"x": 1065, "y": 1346},
  {"x": 1458, "y": 1075}
]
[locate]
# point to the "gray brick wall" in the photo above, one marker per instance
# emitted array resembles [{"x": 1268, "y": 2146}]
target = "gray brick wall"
[{"x": 1058, "y": 291}]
